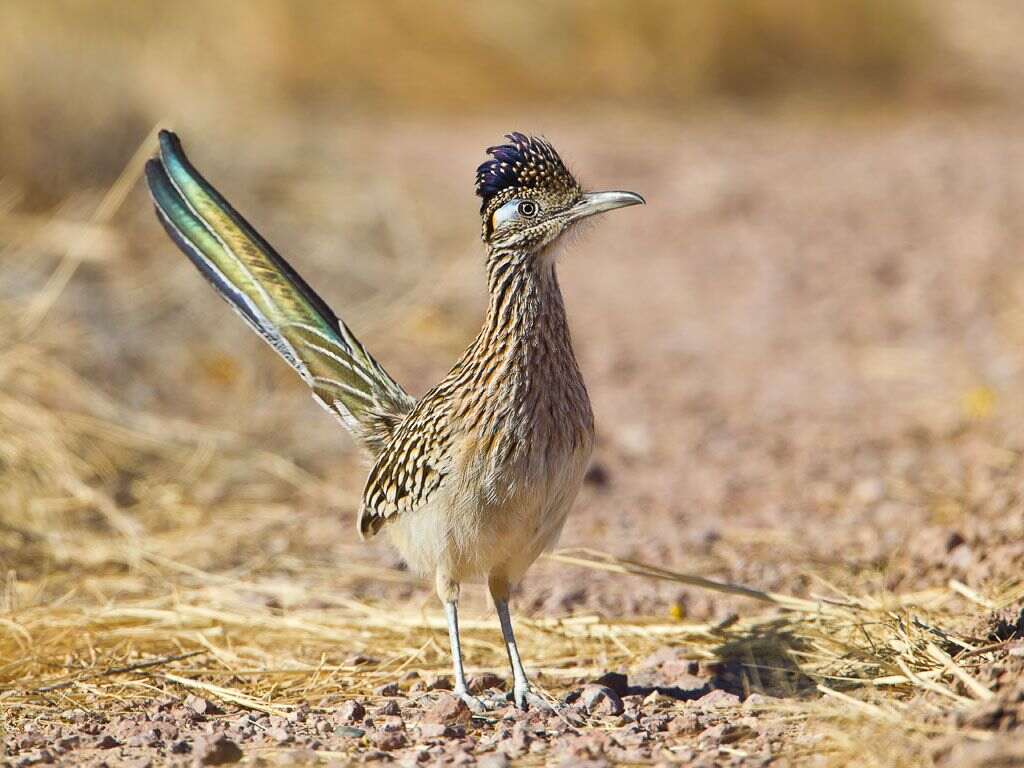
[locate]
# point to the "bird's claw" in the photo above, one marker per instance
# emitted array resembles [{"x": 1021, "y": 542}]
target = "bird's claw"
[
  {"x": 476, "y": 705},
  {"x": 525, "y": 698}
]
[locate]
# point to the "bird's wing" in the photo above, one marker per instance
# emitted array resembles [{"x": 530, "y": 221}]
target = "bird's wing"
[
  {"x": 411, "y": 468},
  {"x": 274, "y": 300}
]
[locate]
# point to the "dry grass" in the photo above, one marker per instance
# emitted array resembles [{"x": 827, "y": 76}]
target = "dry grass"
[
  {"x": 104, "y": 606},
  {"x": 151, "y": 548}
]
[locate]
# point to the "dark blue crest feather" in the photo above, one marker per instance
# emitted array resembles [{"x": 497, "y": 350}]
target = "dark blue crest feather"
[{"x": 525, "y": 162}]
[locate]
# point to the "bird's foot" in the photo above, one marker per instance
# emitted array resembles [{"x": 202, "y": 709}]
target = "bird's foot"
[
  {"x": 476, "y": 705},
  {"x": 526, "y": 698}
]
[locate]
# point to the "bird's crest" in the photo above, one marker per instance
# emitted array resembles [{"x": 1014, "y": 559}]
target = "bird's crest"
[{"x": 526, "y": 162}]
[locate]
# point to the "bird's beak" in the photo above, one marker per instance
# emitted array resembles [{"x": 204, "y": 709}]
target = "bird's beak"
[{"x": 599, "y": 202}]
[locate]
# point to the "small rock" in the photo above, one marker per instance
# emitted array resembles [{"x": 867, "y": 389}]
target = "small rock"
[
  {"x": 164, "y": 704},
  {"x": 68, "y": 743},
  {"x": 390, "y": 689},
  {"x": 201, "y": 706},
  {"x": 216, "y": 750},
  {"x": 450, "y": 710},
  {"x": 389, "y": 707},
  {"x": 521, "y": 737},
  {"x": 106, "y": 741},
  {"x": 350, "y": 712},
  {"x": 658, "y": 700},
  {"x": 758, "y": 701},
  {"x": 724, "y": 733},
  {"x": 433, "y": 730},
  {"x": 441, "y": 683},
  {"x": 601, "y": 700},
  {"x": 389, "y": 741},
  {"x": 686, "y": 723},
  {"x": 279, "y": 735},
  {"x": 479, "y": 683},
  {"x": 181, "y": 747},
  {"x": 349, "y": 732},
  {"x": 655, "y": 723},
  {"x": 719, "y": 698}
]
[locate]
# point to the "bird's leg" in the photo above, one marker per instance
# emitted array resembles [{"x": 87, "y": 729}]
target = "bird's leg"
[
  {"x": 522, "y": 692},
  {"x": 448, "y": 591}
]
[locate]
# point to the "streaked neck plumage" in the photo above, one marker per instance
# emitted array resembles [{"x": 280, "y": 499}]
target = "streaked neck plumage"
[{"x": 524, "y": 354}]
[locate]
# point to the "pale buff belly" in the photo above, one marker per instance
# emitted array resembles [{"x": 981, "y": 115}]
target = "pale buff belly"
[{"x": 492, "y": 520}]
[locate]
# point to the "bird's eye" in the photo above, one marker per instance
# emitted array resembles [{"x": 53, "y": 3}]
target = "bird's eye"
[{"x": 527, "y": 208}]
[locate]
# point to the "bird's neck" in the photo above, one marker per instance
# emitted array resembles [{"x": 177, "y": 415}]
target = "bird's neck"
[
  {"x": 525, "y": 312},
  {"x": 523, "y": 360}
]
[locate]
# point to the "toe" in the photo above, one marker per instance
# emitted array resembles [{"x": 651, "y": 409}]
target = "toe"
[{"x": 475, "y": 705}]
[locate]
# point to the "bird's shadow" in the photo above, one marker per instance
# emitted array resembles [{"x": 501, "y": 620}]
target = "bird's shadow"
[{"x": 753, "y": 660}]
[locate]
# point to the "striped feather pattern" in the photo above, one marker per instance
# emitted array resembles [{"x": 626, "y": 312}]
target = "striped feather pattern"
[
  {"x": 274, "y": 299},
  {"x": 516, "y": 397}
]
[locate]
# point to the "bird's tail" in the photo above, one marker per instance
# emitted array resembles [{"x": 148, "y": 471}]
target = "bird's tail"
[{"x": 273, "y": 299}]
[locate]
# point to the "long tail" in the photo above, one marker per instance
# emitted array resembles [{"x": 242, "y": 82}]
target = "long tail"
[{"x": 274, "y": 300}]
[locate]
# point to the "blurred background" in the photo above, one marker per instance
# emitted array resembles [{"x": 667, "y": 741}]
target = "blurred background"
[{"x": 807, "y": 352}]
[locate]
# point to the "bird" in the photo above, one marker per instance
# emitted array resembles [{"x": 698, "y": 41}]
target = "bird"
[{"x": 473, "y": 481}]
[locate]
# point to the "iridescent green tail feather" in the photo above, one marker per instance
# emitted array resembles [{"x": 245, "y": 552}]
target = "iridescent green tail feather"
[{"x": 274, "y": 299}]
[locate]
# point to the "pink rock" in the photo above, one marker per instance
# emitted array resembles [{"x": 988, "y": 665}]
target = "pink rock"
[
  {"x": 201, "y": 706},
  {"x": 350, "y": 712},
  {"x": 388, "y": 741},
  {"x": 601, "y": 700},
  {"x": 450, "y": 710},
  {"x": 432, "y": 730},
  {"x": 719, "y": 698}
]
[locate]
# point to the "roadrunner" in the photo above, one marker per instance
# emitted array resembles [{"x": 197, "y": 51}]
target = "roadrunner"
[{"x": 474, "y": 480}]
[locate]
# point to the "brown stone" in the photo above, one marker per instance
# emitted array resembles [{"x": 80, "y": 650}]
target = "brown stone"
[
  {"x": 601, "y": 700},
  {"x": 216, "y": 750},
  {"x": 450, "y": 710}
]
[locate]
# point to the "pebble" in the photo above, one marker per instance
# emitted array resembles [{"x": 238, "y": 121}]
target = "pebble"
[
  {"x": 106, "y": 741},
  {"x": 389, "y": 741},
  {"x": 389, "y": 689},
  {"x": 601, "y": 700},
  {"x": 350, "y": 712},
  {"x": 216, "y": 750},
  {"x": 719, "y": 698},
  {"x": 201, "y": 706},
  {"x": 484, "y": 682},
  {"x": 450, "y": 710},
  {"x": 349, "y": 732},
  {"x": 279, "y": 735},
  {"x": 389, "y": 707},
  {"x": 441, "y": 683}
]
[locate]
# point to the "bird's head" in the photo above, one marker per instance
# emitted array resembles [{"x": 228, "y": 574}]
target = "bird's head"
[{"x": 530, "y": 198}]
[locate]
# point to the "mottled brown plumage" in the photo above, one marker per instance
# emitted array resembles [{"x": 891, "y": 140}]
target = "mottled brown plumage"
[{"x": 474, "y": 480}]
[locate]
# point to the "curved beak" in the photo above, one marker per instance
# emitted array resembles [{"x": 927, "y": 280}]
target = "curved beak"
[{"x": 599, "y": 202}]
